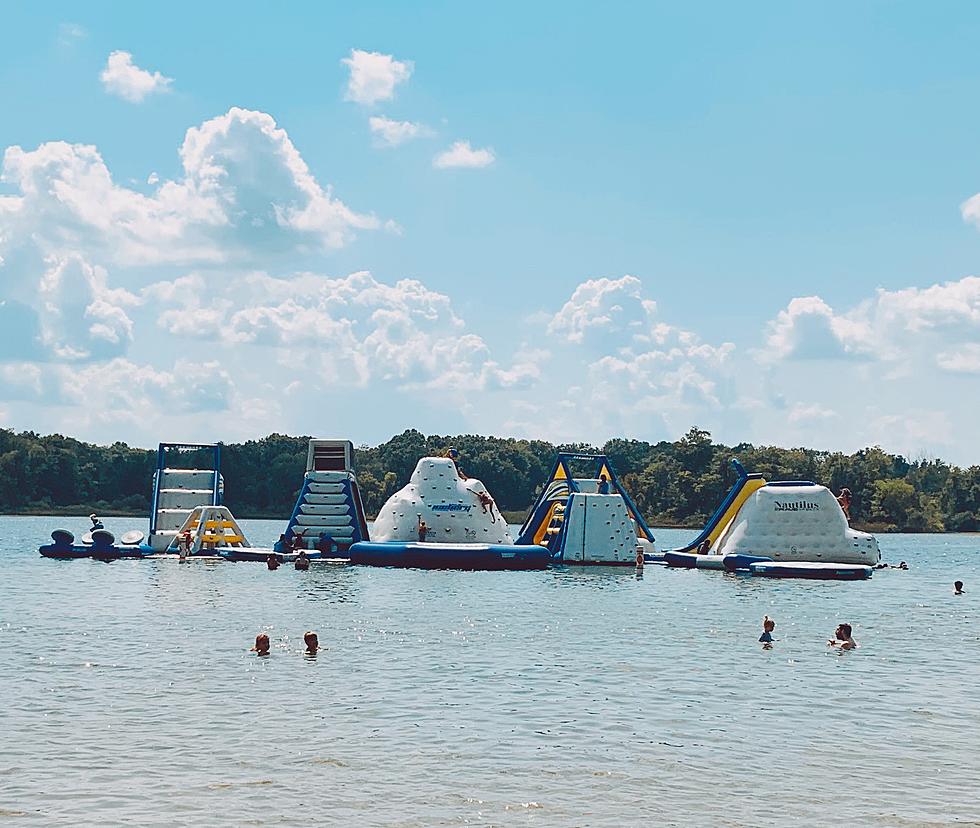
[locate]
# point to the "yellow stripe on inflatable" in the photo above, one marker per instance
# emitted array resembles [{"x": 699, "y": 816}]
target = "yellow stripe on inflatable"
[
  {"x": 542, "y": 530},
  {"x": 750, "y": 487}
]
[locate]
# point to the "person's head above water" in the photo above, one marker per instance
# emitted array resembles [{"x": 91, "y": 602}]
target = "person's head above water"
[
  {"x": 312, "y": 642},
  {"x": 843, "y": 632},
  {"x": 768, "y": 624},
  {"x": 261, "y": 644},
  {"x": 958, "y": 587},
  {"x": 903, "y": 565}
]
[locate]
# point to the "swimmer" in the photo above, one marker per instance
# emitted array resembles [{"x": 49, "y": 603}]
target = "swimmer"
[
  {"x": 272, "y": 562},
  {"x": 903, "y": 565},
  {"x": 768, "y": 625},
  {"x": 312, "y": 643},
  {"x": 302, "y": 562},
  {"x": 842, "y": 638},
  {"x": 261, "y": 647},
  {"x": 958, "y": 588}
]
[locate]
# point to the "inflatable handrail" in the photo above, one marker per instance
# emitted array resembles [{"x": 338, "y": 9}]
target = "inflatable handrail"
[{"x": 792, "y": 483}]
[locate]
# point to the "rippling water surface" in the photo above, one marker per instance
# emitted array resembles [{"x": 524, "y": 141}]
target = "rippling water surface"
[{"x": 567, "y": 697}]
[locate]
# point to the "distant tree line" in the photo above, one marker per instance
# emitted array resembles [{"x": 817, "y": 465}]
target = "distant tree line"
[{"x": 673, "y": 483}]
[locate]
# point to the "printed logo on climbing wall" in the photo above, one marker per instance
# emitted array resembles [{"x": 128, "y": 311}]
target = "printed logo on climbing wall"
[
  {"x": 452, "y": 507},
  {"x": 797, "y": 506}
]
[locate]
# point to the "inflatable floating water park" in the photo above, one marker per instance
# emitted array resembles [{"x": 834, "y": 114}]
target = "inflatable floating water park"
[{"x": 443, "y": 519}]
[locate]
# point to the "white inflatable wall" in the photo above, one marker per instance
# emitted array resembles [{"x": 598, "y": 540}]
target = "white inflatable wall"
[
  {"x": 449, "y": 506},
  {"x": 598, "y": 529},
  {"x": 796, "y": 523}
]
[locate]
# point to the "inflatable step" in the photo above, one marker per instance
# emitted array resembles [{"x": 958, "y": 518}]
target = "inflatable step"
[
  {"x": 326, "y": 488},
  {"x": 324, "y": 520},
  {"x": 315, "y": 502}
]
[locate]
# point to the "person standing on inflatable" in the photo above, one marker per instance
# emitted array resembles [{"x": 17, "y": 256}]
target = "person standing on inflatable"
[
  {"x": 453, "y": 455},
  {"x": 423, "y": 530},
  {"x": 603, "y": 484},
  {"x": 844, "y": 499}
]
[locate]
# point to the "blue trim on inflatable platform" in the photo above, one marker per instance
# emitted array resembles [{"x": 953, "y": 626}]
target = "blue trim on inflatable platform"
[
  {"x": 450, "y": 555},
  {"x": 261, "y": 555}
]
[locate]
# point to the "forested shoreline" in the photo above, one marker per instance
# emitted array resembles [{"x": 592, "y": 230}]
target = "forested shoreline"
[{"x": 676, "y": 483}]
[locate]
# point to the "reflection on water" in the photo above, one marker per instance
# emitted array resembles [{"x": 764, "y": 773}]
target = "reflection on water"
[{"x": 593, "y": 696}]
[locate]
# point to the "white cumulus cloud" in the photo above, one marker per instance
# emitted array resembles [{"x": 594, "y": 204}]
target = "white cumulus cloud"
[
  {"x": 245, "y": 193},
  {"x": 462, "y": 155},
  {"x": 124, "y": 78},
  {"x": 391, "y": 133},
  {"x": 82, "y": 317},
  {"x": 374, "y": 76}
]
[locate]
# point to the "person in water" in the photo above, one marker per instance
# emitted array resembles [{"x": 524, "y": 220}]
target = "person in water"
[
  {"x": 312, "y": 643},
  {"x": 302, "y": 561},
  {"x": 958, "y": 588},
  {"x": 272, "y": 561},
  {"x": 261, "y": 647},
  {"x": 903, "y": 565},
  {"x": 96, "y": 523},
  {"x": 843, "y": 638},
  {"x": 603, "y": 484},
  {"x": 423, "y": 530},
  {"x": 844, "y": 499},
  {"x": 768, "y": 625}
]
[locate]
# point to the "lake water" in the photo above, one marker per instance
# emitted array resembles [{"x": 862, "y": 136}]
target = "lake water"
[{"x": 558, "y": 698}]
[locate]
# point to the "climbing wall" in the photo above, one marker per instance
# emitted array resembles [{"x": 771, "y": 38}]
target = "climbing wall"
[
  {"x": 329, "y": 504},
  {"x": 450, "y": 506},
  {"x": 597, "y": 530},
  {"x": 178, "y": 492}
]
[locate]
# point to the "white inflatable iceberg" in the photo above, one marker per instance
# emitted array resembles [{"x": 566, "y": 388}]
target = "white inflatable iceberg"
[{"x": 453, "y": 509}]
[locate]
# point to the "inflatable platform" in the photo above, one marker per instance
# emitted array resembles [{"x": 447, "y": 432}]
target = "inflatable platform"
[
  {"x": 491, "y": 556},
  {"x": 99, "y": 544},
  {"x": 801, "y": 569}
]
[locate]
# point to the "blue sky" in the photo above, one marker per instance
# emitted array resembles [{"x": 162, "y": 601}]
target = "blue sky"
[{"x": 566, "y": 221}]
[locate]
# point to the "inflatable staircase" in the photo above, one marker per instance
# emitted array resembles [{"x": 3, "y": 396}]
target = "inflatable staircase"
[
  {"x": 178, "y": 491},
  {"x": 586, "y": 520},
  {"x": 328, "y": 514}
]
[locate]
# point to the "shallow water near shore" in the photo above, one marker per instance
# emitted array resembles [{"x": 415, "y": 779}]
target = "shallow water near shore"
[{"x": 566, "y": 697}]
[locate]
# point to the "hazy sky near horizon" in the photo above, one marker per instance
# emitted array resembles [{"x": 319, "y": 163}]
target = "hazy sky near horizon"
[{"x": 568, "y": 221}]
